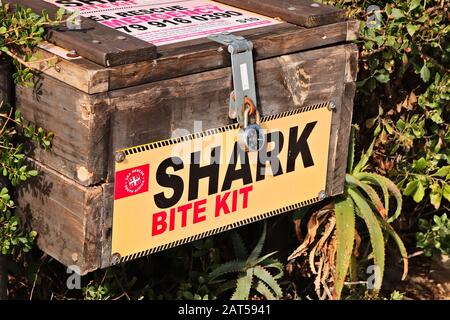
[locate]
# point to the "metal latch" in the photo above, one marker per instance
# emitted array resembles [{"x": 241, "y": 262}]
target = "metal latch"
[
  {"x": 243, "y": 97},
  {"x": 243, "y": 73}
]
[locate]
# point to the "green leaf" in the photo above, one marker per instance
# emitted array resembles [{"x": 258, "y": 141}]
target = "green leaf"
[
  {"x": 243, "y": 286},
  {"x": 265, "y": 291},
  {"x": 425, "y": 73},
  {"x": 420, "y": 165},
  {"x": 60, "y": 13},
  {"x": 436, "y": 196},
  {"x": 364, "y": 159},
  {"x": 33, "y": 173},
  {"x": 414, "y": 4},
  {"x": 345, "y": 237},
  {"x": 400, "y": 245},
  {"x": 397, "y": 13},
  {"x": 275, "y": 264},
  {"x": 415, "y": 189},
  {"x": 411, "y": 188},
  {"x": 419, "y": 193},
  {"x": 375, "y": 232},
  {"x": 265, "y": 276},
  {"x": 380, "y": 181},
  {"x": 376, "y": 201},
  {"x": 382, "y": 77},
  {"x": 228, "y": 267},
  {"x": 442, "y": 172},
  {"x": 258, "y": 248},
  {"x": 239, "y": 247},
  {"x": 446, "y": 192},
  {"x": 411, "y": 28}
]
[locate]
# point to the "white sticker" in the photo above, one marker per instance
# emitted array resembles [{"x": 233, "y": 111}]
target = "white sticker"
[
  {"x": 163, "y": 22},
  {"x": 244, "y": 77}
]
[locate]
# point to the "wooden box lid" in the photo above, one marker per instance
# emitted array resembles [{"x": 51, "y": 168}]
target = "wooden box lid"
[{"x": 110, "y": 47}]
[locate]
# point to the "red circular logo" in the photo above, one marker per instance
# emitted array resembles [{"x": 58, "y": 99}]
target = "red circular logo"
[{"x": 134, "y": 181}]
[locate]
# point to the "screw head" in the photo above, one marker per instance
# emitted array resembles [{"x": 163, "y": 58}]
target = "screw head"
[
  {"x": 315, "y": 5},
  {"x": 122, "y": 38},
  {"x": 115, "y": 258},
  {"x": 96, "y": 41},
  {"x": 322, "y": 195},
  {"x": 332, "y": 106},
  {"x": 291, "y": 8},
  {"x": 120, "y": 156}
]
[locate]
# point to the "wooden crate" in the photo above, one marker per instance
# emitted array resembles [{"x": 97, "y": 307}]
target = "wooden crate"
[{"x": 115, "y": 96}]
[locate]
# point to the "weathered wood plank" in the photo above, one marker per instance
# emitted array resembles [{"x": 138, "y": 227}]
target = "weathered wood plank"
[
  {"x": 90, "y": 128},
  {"x": 65, "y": 215},
  {"x": 183, "y": 103},
  {"x": 300, "y": 12},
  {"x": 106, "y": 224},
  {"x": 79, "y": 72},
  {"x": 204, "y": 55},
  {"x": 213, "y": 56},
  {"x": 80, "y": 218},
  {"x": 80, "y": 124},
  {"x": 341, "y": 126},
  {"x": 5, "y": 81},
  {"x": 6, "y": 90},
  {"x": 96, "y": 42}
]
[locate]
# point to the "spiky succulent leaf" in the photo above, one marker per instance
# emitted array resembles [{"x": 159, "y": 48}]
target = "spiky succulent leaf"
[
  {"x": 375, "y": 180},
  {"x": 364, "y": 159},
  {"x": 353, "y": 268},
  {"x": 225, "y": 286},
  {"x": 243, "y": 286},
  {"x": 375, "y": 232},
  {"x": 265, "y": 291},
  {"x": 264, "y": 275},
  {"x": 254, "y": 255},
  {"x": 373, "y": 195},
  {"x": 227, "y": 267},
  {"x": 401, "y": 247},
  {"x": 391, "y": 187},
  {"x": 266, "y": 257},
  {"x": 397, "y": 195},
  {"x": 345, "y": 237},
  {"x": 275, "y": 264},
  {"x": 239, "y": 246}
]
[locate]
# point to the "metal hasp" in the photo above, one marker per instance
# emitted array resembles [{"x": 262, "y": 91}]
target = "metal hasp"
[{"x": 243, "y": 73}]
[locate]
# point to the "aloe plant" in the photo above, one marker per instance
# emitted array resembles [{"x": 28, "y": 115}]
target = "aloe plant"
[
  {"x": 254, "y": 272},
  {"x": 338, "y": 246}
]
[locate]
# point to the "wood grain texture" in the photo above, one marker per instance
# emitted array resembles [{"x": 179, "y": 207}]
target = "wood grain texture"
[
  {"x": 90, "y": 128},
  {"x": 65, "y": 215},
  {"x": 341, "y": 126},
  {"x": 209, "y": 56},
  {"x": 79, "y": 73},
  {"x": 74, "y": 221},
  {"x": 282, "y": 83},
  {"x": 300, "y": 12},
  {"x": 5, "y": 81},
  {"x": 80, "y": 124},
  {"x": 111, "y": 47},
  {"x": 200, "y": 56}
]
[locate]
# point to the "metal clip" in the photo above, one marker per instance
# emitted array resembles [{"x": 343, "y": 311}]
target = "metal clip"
[{"x": 242, "y": 70}]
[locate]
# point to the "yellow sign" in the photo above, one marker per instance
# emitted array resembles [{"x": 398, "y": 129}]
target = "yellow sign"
[{"x": 179, "y": 190}]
